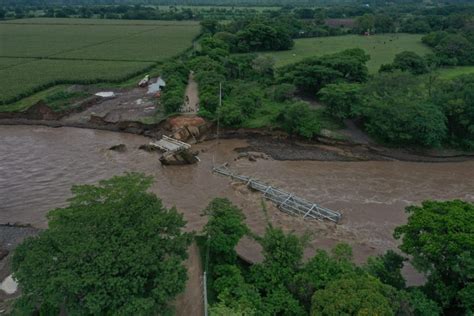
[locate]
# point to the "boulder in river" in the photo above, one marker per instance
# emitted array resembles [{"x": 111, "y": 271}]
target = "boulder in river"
[{"x": 119, "y": 148}]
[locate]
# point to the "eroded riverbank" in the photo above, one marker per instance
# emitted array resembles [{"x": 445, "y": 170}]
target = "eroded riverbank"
[{"x": 39, "y": 165}]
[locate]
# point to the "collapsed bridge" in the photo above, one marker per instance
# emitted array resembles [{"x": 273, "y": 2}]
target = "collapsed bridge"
[{"x": 286, "y": 202}]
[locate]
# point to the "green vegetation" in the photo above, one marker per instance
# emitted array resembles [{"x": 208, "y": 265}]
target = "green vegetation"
[
  {"x": 62, "y": 100},
  {"x": 453, "y": 72},
  {"x": 79, "y": 252},
  {"x": 62, "y": 51},
  {"x": 438, "y": 236},
  {"x": 330, "y": 283},
  {"x": 25, "y": 79},
  {"x": 114, "y": 250},
  {"x": 381, "y": 48}
]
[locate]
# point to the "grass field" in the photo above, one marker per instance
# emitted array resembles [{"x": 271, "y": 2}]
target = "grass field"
[
  {"x": 450, "y": 73},
  {"x": 37, "y": 53},
  {"x": 381, "y": 48}
]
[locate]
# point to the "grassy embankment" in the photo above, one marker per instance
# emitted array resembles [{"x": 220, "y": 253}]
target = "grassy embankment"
[{"x": 44, "y": 55}]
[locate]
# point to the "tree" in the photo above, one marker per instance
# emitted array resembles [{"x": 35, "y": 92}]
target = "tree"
[
  {"x": 282, "y": 259},
  {"x": 354, "y": 295},
  {"x": 384, "y": 24},
  {"x": 341, "y": 98},
  {"x": 261, "y": 36},
  {"x": 388, "y": 269},
  {"x": 400, "y": 112},
  {"x": 230, "y": 114},
  {"x": 410, "y": 61},
  {"x": 456, "y": 98},
  {"x": 456, "y": 46},
  {"x": 312, "y": 74},
  {"x": 114, "y": 250},
  {"x": 365, "y": 23},
  {"x": 414, "y": 302},
  {"x": 401, "y": 120},
  {"x": 299, "y": 119},
  {"x": 209, "y": 25},
  {"x": 320, "y": 270},
  {"x": 438, "y": 235},
  {"x": 225, "y": 227},
  {"x": 263, "y": 65},
  {"x": 281, "y": 92}
]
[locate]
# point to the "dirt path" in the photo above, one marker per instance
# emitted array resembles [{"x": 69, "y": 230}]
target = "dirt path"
[
  {"x": 190, "y": 302},
  {"x": 191, "y": 104}
]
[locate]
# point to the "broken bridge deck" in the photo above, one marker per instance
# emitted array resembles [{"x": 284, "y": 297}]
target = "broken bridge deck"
[
  {"x": 286, "y": 202},
  {"x": 170, "y": 145}
]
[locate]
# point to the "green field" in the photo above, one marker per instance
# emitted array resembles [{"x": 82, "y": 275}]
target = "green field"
[
  {"x": 381, "y": 48},
  {"x": 37, "y": 53},
  {"x": 451, "y": 72}
]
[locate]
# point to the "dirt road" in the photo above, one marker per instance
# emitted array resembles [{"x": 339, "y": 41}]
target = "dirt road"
[{"x": 191, "y": 105}]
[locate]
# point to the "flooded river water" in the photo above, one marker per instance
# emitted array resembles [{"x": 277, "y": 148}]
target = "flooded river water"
[{"x": 38, "y": 165}]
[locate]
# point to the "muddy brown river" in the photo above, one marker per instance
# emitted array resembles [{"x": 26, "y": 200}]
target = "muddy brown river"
[{"x": 38, "y": 165}]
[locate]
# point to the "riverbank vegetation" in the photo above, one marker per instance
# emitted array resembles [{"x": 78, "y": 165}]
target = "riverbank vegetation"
[
  {"x": 329, "y": 283},
  {"x": 114, "y": 250}
]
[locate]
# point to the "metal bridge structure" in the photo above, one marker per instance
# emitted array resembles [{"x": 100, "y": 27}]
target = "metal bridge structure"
[{"x": 286, "y": 202}]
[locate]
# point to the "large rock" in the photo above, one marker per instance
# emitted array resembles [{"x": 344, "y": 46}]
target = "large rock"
[{"x": 184, "y": 157}]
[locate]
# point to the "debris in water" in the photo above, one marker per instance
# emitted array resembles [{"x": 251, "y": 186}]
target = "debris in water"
[{"x": 105, "y": 94}]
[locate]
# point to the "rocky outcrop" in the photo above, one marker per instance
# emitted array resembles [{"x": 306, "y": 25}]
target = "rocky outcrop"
[{"x": 187, "y": 128}]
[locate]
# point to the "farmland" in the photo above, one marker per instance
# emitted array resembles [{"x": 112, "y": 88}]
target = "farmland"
[
  {"x": 381, "y": 48},
  {"x": 38, "y": 53}
]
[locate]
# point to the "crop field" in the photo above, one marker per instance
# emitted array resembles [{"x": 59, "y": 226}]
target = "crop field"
[
  {"x": 38, "y": 53},
  {"x": 381, "y": 48}
]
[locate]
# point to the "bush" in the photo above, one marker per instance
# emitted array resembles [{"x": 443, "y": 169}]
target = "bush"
[
  {"x": 341, "y": 98},
  {"x": 299, "y": 119},
  {"x": 230, "y": 114},
  {"x": 282, "y": 92},
  {"x": 410, "y": 61},
  {"x": 404, "y": 121}
]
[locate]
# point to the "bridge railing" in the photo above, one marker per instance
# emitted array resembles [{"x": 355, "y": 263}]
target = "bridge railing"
[{"x": 287, "y": 202}]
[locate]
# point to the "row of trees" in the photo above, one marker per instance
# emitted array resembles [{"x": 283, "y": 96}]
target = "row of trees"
[
  {"x": 407, "y": 105},
  {"x": 329, "y": 283}
]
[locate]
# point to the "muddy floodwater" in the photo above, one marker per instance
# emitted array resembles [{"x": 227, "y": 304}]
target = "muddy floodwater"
[{"x": 38, "y": 165}]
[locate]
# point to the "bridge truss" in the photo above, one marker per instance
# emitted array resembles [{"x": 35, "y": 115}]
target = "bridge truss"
[{"x": 286, "y": 202}]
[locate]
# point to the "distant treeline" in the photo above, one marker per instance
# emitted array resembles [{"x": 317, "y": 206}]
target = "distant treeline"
[{"x": 307, "y": 3}]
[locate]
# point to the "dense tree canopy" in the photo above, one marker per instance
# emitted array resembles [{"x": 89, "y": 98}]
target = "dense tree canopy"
[
  {"x": 439, "y": 236},
  {"x": 298, "y": 119},
  {"x": 114, "y": 250},
  {"x": 341, "y": 99},
  {"x": 456, "y": 99},
  {"x": 225, "y": 227},
  {"x": 354, "y": 295},
  {"x": 398, "y": 111},
  {"x": 312, "y": 74}
]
